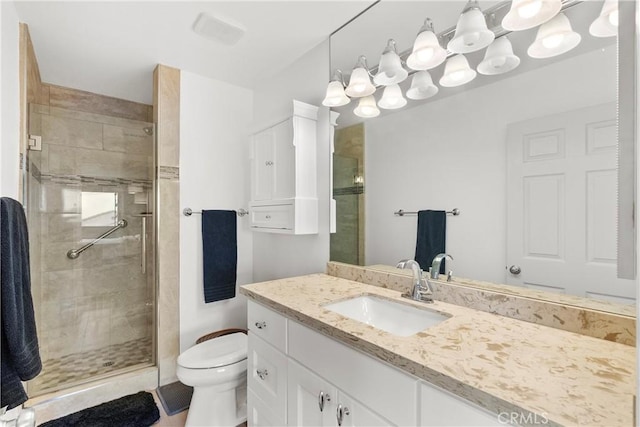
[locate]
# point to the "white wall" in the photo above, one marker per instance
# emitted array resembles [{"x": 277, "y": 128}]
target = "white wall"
[
  {"x": 276, "y": 255},
  {"x": 215, "y": 118},
  {"x": 10, "y": 101},
  {"x": 451, "y": 153}
]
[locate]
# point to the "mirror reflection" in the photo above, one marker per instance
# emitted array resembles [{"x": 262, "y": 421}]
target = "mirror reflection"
[{"x": 528, "y": 156}]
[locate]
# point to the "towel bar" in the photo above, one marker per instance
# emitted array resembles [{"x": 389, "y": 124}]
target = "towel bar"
[
  {"x": 189, "y": 212},
  {"x": 454, "y": 212}
]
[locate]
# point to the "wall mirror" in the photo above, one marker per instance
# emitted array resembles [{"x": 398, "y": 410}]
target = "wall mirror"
[{"x": 529, "y": 157}]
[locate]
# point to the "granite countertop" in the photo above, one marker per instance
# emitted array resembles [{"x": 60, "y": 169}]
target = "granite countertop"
[{"x": 497, "y": 362}]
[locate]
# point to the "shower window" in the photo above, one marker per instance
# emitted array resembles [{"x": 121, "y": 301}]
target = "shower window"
[{"x": 99, "y": 209}]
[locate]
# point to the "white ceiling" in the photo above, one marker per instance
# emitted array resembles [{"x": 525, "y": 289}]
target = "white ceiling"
[{"x": 111, "y": 48}]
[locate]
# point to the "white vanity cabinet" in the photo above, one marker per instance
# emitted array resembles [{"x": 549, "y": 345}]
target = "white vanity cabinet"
[
  {"x": 284, "y": 175},
  {"x": 299, "y": 377}
]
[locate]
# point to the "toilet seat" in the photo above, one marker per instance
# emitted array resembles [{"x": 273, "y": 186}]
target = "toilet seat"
[{"x": 214, "y": 353}]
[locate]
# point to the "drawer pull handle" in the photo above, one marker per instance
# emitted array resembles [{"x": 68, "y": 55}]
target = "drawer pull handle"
[
  {"x": 341, "y": 412},
  {"x": 262, "y": 373},
  {"x": 261, "y": 325},
  {"x": 322, "y": 398}
]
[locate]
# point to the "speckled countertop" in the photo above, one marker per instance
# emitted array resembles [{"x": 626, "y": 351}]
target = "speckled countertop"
[{"x": 497, "y": 362}]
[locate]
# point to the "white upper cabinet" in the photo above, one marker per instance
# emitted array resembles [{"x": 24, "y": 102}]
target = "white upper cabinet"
[{"x": 284, "y": 175}]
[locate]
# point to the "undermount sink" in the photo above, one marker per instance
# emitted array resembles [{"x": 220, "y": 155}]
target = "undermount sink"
[{"x": 396, "y": 318}]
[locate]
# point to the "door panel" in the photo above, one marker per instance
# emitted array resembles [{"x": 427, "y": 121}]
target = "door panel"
[{"x": 561, "y": 204}]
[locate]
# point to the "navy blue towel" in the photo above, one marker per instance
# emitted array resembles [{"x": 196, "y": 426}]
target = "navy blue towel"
[
  {"x": 431, "y": 238},
  {"x": 219, "y": 254},
  {"x": 19, "y": 351}
]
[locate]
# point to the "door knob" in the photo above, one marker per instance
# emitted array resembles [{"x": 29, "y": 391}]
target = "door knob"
[{"x": 515, "y": 270}]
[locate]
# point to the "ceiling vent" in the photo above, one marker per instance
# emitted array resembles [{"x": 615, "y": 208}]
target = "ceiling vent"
[{"x": 224, "y": 31}]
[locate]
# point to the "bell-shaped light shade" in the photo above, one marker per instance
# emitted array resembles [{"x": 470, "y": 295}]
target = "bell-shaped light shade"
[
  {"x": 471, "y": 32},
  {"x": 360, "y": 83},
  {"x": 606, "y": 25},
  {"x": 335, "y": 96},
  {"x": 422, "y": 86},
  {"x": 367, "y": 107},
  {"x": 525, "y": 14},
  {"x": 499, "y": 58},
  {"x": 392, "y": 98},
  {"x": 554, "y": 38},
  {"x": 457, "y": 72},
  {"x": 390, "y": 70},
  {"x": 427, "y": 52}
]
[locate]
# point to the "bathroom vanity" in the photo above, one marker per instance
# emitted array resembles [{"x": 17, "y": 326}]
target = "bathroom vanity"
[{"x": 310, "y": 365}]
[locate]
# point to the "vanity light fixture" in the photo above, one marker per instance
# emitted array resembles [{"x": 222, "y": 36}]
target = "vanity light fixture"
[
  {"x": 471, "y": 31},
  {"x": 390, "y": 70},
  {"x": 457, "y": 72},
  {"x": 367, "y": 107},
  {"x": 427, "y": 52},
  {"x": 554, "y": 38},
  {"x": 392, "y": 98},
  {"x": 360, "y": 82},
  {"x": 525, "y": 14},
  {"x": 606, "y": 25},
  {"x": 499, "y": 58},
  {"x": 422, "y": 86},
  {"x": 335, "y": 96}
]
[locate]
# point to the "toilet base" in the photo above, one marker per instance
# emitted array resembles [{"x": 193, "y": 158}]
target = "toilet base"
[{"x": 211, "y": 406}]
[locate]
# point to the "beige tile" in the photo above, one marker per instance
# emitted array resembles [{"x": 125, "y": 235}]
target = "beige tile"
[
  {"x": 58, "y": 198},
  {"x": 61, "y": 227},
  {"x": 97, "y": 118},
  {"x": 117, "y": 165},
  {"x": 127, "y": 140},
  {"x": 167, "y": 114},
  {"x": 73, "y": 99},
  {"x": 62, "y": 160},
  {"x": 71, "y": 132},
  {"x": 35, "y": 122}
]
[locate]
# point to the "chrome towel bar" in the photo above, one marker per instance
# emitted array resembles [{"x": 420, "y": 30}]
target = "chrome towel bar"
[
  {"x": 454, "y": 212},
  {"x": 189, "y": 212},
  {"x": 75, "y": 253}
]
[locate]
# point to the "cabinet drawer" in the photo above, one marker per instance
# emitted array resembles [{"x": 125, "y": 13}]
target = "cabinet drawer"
[
  {"x": 267, "y": 375},
  {"x": 386, "y": 390},
  {"x": 268, "y": 325},
  {"x": 272, "y": 216}
]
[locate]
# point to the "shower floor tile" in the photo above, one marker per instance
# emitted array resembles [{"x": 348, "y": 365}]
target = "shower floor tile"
[{"x": 79, "y": 367}]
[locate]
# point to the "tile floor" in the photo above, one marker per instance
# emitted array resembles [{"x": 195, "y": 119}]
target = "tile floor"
[{"x": 78, "y": 367}]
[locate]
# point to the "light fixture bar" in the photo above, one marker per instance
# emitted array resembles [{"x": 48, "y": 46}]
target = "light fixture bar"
[{"x": 493, "y": 15}]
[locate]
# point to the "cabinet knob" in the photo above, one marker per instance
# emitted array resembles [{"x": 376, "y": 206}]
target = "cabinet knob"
[
  {"x": 341, "y": 412},
  {"x": 262, "y": 373},
  {"x": 268, "y": 163},
  {"x": 322, "y": 398},
  {"x": 268, "y": 217},
  {"x": 261, "y": 325}
]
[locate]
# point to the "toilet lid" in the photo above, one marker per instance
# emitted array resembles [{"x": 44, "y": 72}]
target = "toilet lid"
[{"x": 221, "y": 351}]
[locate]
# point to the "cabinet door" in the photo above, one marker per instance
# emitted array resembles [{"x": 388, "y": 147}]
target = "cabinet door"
[
  {"x": 304, "y": 398},
  {"x": 267, "y": 374},
  {"x": 259, "y": 414},
  {"x": 355, "y": 414},
  {"x": 441, "y": 408},
  {"x": 263, "y": 165},
  {"x": 284, "y": 161}
]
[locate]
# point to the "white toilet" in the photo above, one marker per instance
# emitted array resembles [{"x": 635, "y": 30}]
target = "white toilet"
[{"x": 217, "y": 371}]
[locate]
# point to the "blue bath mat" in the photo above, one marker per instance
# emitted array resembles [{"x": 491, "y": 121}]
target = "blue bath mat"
[{"x": 136, "y": 410}]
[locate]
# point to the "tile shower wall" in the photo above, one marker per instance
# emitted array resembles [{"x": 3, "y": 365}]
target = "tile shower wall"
[{"x": 102, "y": 298}]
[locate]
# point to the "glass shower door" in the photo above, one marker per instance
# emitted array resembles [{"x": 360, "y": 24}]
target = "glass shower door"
[{"x": 94, "y": 298}]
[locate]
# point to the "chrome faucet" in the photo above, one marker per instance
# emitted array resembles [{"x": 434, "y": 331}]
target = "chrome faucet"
[
  {"x": 435, "y": 265},
  {"x": 421, "y": 287}
]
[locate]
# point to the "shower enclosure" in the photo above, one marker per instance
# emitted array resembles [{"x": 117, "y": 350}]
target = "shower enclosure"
[
  {"x": 89, "y": 199},
  {"x": 347, "y": 243}
]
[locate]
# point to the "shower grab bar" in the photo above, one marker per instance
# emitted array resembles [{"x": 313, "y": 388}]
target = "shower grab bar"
[{"x": 75, "y": 253}]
